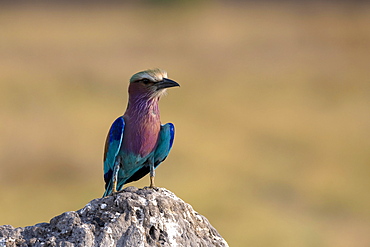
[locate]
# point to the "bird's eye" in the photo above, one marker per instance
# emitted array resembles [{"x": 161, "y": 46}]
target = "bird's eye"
[{"x": 146, "y": 81}]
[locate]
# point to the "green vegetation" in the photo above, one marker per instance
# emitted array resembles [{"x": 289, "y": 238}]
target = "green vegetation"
[{"x": 272, "y": 117}]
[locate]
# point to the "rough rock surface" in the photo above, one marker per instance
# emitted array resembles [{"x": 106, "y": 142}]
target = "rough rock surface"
[{"x": 133, "y": 217}]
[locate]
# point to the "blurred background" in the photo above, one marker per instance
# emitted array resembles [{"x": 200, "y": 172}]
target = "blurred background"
[{"x": 272, "y": 117}]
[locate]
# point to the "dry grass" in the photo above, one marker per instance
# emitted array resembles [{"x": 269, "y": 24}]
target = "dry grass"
[{"x": 272, "y": 118}]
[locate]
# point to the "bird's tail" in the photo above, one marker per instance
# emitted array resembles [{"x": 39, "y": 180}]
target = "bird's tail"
[{"x": 108, "y": 189}]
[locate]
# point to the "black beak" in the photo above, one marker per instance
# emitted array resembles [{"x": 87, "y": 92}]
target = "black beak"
[{"x": 165, "y": 83}]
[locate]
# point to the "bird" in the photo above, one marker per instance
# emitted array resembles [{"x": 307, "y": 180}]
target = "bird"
[{"x": 137, "y": 143}]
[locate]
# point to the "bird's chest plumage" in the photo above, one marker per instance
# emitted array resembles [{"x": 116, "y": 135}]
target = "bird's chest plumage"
[{"x": 141, "y": 135}]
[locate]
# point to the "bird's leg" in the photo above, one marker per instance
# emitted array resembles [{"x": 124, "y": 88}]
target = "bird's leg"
[
  {"x": 152, "y": 174},
  {"x": 115, "y": 174}
]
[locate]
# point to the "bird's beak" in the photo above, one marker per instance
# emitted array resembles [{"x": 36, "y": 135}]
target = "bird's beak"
[{"x": 165, "y": 83}]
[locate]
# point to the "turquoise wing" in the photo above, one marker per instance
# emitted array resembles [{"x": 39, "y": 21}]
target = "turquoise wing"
[
  {"x": 165, "y": 142},
  {"x": 112, "y": 148}
]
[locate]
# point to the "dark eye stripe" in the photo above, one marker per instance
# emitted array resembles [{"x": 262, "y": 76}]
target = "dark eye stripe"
[{"x": 145, "y": 81}]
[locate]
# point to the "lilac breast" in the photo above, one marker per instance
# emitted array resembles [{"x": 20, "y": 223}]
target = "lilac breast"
[{"x": 141, "y": 135}]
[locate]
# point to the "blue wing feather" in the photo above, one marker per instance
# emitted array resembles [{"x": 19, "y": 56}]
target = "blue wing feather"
[
  {"x": 166, "y": 138},
  {"x": 172, "y": 134},
  {"x": 112, "y": 147}
]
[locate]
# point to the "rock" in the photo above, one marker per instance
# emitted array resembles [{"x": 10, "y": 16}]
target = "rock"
[{"x": 132, "y": 217}]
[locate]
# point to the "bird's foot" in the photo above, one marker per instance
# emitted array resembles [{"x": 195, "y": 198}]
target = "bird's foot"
[
  {"x": 152, "y": 185},
  {"x": 115, "y": 192},
  {"x": 151, "y": 188}
]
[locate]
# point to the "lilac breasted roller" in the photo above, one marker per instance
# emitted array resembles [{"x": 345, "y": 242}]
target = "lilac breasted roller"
[{"x": 137, "y": 142}]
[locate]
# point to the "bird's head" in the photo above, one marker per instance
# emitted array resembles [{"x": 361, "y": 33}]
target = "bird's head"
[{"x": 151, "y": 83}]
